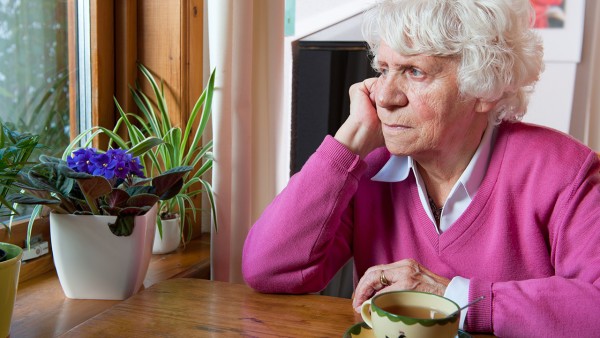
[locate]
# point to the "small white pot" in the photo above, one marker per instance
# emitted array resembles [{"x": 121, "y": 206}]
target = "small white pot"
[
  {"x": 93, "y": 263},
  {"x": 171, "y": 236}
]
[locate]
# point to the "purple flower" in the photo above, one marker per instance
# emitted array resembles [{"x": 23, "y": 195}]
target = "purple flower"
[
  {"x": 135, "y": 167},
  {"x": 114, "y": 163},
  {"x": 118, "y": 154},
  {"x": 104, "y": 165},
  {"x": 121, "y": 170},
  {"x": 80, "y": 160},
  {"x": 120, "y": 159}
]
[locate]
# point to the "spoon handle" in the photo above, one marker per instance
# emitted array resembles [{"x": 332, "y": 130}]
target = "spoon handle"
[{"x": 476, "y": 300}]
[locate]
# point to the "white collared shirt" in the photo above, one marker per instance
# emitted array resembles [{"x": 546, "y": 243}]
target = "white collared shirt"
[{"x": 397, "y": 169}]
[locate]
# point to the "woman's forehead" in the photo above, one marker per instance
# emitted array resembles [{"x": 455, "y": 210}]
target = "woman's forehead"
[{"x": 385, "y": 54}]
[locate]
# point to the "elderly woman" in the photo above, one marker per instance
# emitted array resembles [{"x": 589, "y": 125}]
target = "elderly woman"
[{"x": 432, "y": 184}]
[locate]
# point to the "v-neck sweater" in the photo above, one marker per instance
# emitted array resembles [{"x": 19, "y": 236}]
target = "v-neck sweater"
[{"x": 529, "y": 241}]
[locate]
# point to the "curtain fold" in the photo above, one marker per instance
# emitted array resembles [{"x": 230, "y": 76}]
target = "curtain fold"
[{"x": 246, "y": 49}]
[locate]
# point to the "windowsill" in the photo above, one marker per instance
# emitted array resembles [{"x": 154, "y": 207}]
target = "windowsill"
[
  {"x": 18, "y": 233},
  {"x": 42, "y": 309}
]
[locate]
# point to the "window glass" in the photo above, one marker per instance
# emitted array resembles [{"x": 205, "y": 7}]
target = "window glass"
[{"x": 34, "y": 70}]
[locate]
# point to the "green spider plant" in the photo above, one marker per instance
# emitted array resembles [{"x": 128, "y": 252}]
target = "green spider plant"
[
  {"x": 15, "y": 150},
  {"x": 178, "y": 147}
]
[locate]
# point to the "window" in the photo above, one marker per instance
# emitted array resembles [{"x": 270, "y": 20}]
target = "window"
[
  {"x": 35, "y": 72},
  {"x": 43, "y": 57},
  {"x": 34, "y": 69}
]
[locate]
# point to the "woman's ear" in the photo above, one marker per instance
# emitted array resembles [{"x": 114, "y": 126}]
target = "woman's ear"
[{"x": 484, "y": 106}]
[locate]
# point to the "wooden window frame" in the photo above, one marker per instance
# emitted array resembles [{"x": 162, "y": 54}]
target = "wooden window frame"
[{"x": 118, "y": 41}]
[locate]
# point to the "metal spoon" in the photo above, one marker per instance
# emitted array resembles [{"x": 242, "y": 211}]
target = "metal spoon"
[{"x": 464, "y": 307}]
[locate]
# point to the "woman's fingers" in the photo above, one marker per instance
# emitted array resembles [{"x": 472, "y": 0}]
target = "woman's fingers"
[
  {"x": 406, "y": 274},
  {"x": 361, "y": 132}
]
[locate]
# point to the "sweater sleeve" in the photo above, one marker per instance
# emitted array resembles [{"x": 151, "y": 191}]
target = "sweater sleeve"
[
  {"x": 563, "y": 305},
  {"x": 300, "y": 241}
]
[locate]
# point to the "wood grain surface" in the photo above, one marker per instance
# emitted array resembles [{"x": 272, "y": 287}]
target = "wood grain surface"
[
  {"x": 42, "y": 310},
  {"x": 202, "y": 308}
]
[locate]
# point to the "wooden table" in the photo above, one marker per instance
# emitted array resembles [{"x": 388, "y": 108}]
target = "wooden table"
[
  {"x": 42, "y": 310},
  {"x": 201, "y": 308}
]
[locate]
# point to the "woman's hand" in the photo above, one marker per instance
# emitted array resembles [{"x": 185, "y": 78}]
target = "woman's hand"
[
  {"x": 361, "y": 132},
  {"x": 406, "y": 274}
]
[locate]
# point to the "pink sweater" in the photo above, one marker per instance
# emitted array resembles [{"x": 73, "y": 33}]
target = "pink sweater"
[{"x": 529, "y": 241}]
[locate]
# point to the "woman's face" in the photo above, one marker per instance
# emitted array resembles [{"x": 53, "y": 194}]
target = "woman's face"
[{"x": 421, "y": 110}]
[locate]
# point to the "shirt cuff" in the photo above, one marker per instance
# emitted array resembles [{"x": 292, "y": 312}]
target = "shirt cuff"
[{"x": 458, "y": 291}]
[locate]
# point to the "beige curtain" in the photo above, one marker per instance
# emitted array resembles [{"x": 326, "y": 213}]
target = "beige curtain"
[
  {"x": 585, "y": 120},
  {"x": 246, "y": 49}
]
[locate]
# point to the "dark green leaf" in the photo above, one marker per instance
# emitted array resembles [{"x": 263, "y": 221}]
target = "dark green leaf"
[
  {"x": 92, "y": 189},
  {"x": 87, "y": 213},
  {"x": 142, "y": 189},
  {"x": 125, "y": 221},
  {"x": 49, "y": 159},
  {"x": 46, "y": 176},
  {"x": 94, "y": 186},
  {"x": 117, "y": 198},
  {"x": 169, "y": 183},
  {"x": 64, "y": 170},
  {"x": 142, "y": 200},
  {"x": 123, "y": 226},
  {"x": 30, "y": 199},
  {"x": 111, "y": 210}
]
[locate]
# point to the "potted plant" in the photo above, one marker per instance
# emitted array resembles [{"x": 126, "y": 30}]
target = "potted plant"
[
  {"x": 189, "y": 151},
  {"x": 103, "y": 216},
  {"x": 178, "y": 147},
  {"x": 15, "y": 150}
]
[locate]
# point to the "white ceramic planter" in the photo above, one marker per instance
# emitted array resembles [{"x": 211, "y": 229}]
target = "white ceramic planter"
[
  {"x": 93, "y": 263},
  {"x": 9, "y": 279},
  {"x": 171, "y": 237}
]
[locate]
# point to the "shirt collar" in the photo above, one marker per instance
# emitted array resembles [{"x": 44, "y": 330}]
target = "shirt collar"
[
  {"x": 397, "y": 168},
  {"x": 473, "y": 175}
]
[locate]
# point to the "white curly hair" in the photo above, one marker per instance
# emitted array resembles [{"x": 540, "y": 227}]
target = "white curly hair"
[{"x": 500, "y": 54}]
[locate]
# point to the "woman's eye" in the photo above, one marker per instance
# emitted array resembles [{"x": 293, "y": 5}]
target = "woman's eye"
[
  {"x": 383, "y": 71},
  {"x": 415, "y": 72}
]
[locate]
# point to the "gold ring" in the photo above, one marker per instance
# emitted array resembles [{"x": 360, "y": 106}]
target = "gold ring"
[{"x": 383, "y": 280}]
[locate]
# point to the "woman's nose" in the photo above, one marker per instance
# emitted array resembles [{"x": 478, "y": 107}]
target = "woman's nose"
[{"x": 390, "y": 94}]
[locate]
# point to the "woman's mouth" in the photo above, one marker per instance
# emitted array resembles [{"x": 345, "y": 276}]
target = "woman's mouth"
[{"x": 394, "y": 127}]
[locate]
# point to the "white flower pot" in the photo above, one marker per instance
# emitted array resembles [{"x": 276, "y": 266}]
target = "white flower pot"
[
  {"x": 9, "y": 279},
  {"x": 93, "y": 263},
  {"x": 171, "y": 236}
]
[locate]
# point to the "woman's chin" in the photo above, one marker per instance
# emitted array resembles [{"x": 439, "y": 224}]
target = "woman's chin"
[{"x": 397, "y": 149}]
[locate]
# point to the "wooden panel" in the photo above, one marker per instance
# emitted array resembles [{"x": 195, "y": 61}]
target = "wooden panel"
[
  {"x": 170, "y": 45},
  {"x": 35, "y": 267},
  {"x": 192, "y": 260},
  {"x": 194, "y": 65},
  {"x": 160, "y": 49},
  {"x": 103, "y": 65},
  {"x": 195, "y": 80},
  {"x": 18, "y": 232},
  {"x": 125, "y": 52},
  {"x": 18, "y": 235}
]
